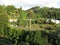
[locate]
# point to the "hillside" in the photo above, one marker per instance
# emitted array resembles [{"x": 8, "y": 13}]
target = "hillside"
[{"x": 35, "y": 26}]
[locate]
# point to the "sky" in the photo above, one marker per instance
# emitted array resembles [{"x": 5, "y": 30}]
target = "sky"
[{"x": 26, "y": 4}]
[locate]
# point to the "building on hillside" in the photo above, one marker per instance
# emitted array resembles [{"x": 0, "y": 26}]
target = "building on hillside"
[
  {"x": 54, "y": 21},
  {"x": 12, "y": 20}
]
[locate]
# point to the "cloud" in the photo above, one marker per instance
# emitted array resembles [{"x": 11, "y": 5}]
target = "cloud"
[
  {"x": 26, "y": 4},
  {"x": 53, "y": 3},
  {"x": 9, "y": 2}
]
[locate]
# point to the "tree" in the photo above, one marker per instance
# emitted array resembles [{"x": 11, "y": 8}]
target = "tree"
[
  {"x": 3, "y": 21},
  {"x": 30, "y": 14}
]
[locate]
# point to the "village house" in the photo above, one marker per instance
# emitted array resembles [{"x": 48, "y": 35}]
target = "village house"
[
  {"x": 12, "y": 20},
  {"x": 54, "y": 21}
]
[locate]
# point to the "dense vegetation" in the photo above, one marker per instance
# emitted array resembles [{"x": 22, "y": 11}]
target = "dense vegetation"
[{"x": 36, "y": 31}]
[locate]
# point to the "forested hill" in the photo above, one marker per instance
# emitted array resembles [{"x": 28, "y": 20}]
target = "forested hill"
[
  {"x": 31, "y": 18},
  {"x": 37, "y": 12},
  {"x": 29, "y": 27},
  {"x": 46, "y": 12}
]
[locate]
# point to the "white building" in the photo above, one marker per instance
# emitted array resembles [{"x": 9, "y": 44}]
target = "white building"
[
  {"x": 12, "y": 20},
  {"x": 54, "y": 21}
]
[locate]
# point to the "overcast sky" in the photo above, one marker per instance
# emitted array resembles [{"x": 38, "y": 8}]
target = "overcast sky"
[{"x": 26, "y": 4}]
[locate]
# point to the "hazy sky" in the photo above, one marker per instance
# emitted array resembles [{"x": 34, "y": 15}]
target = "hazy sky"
[{"x": 26, "y": 4}]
